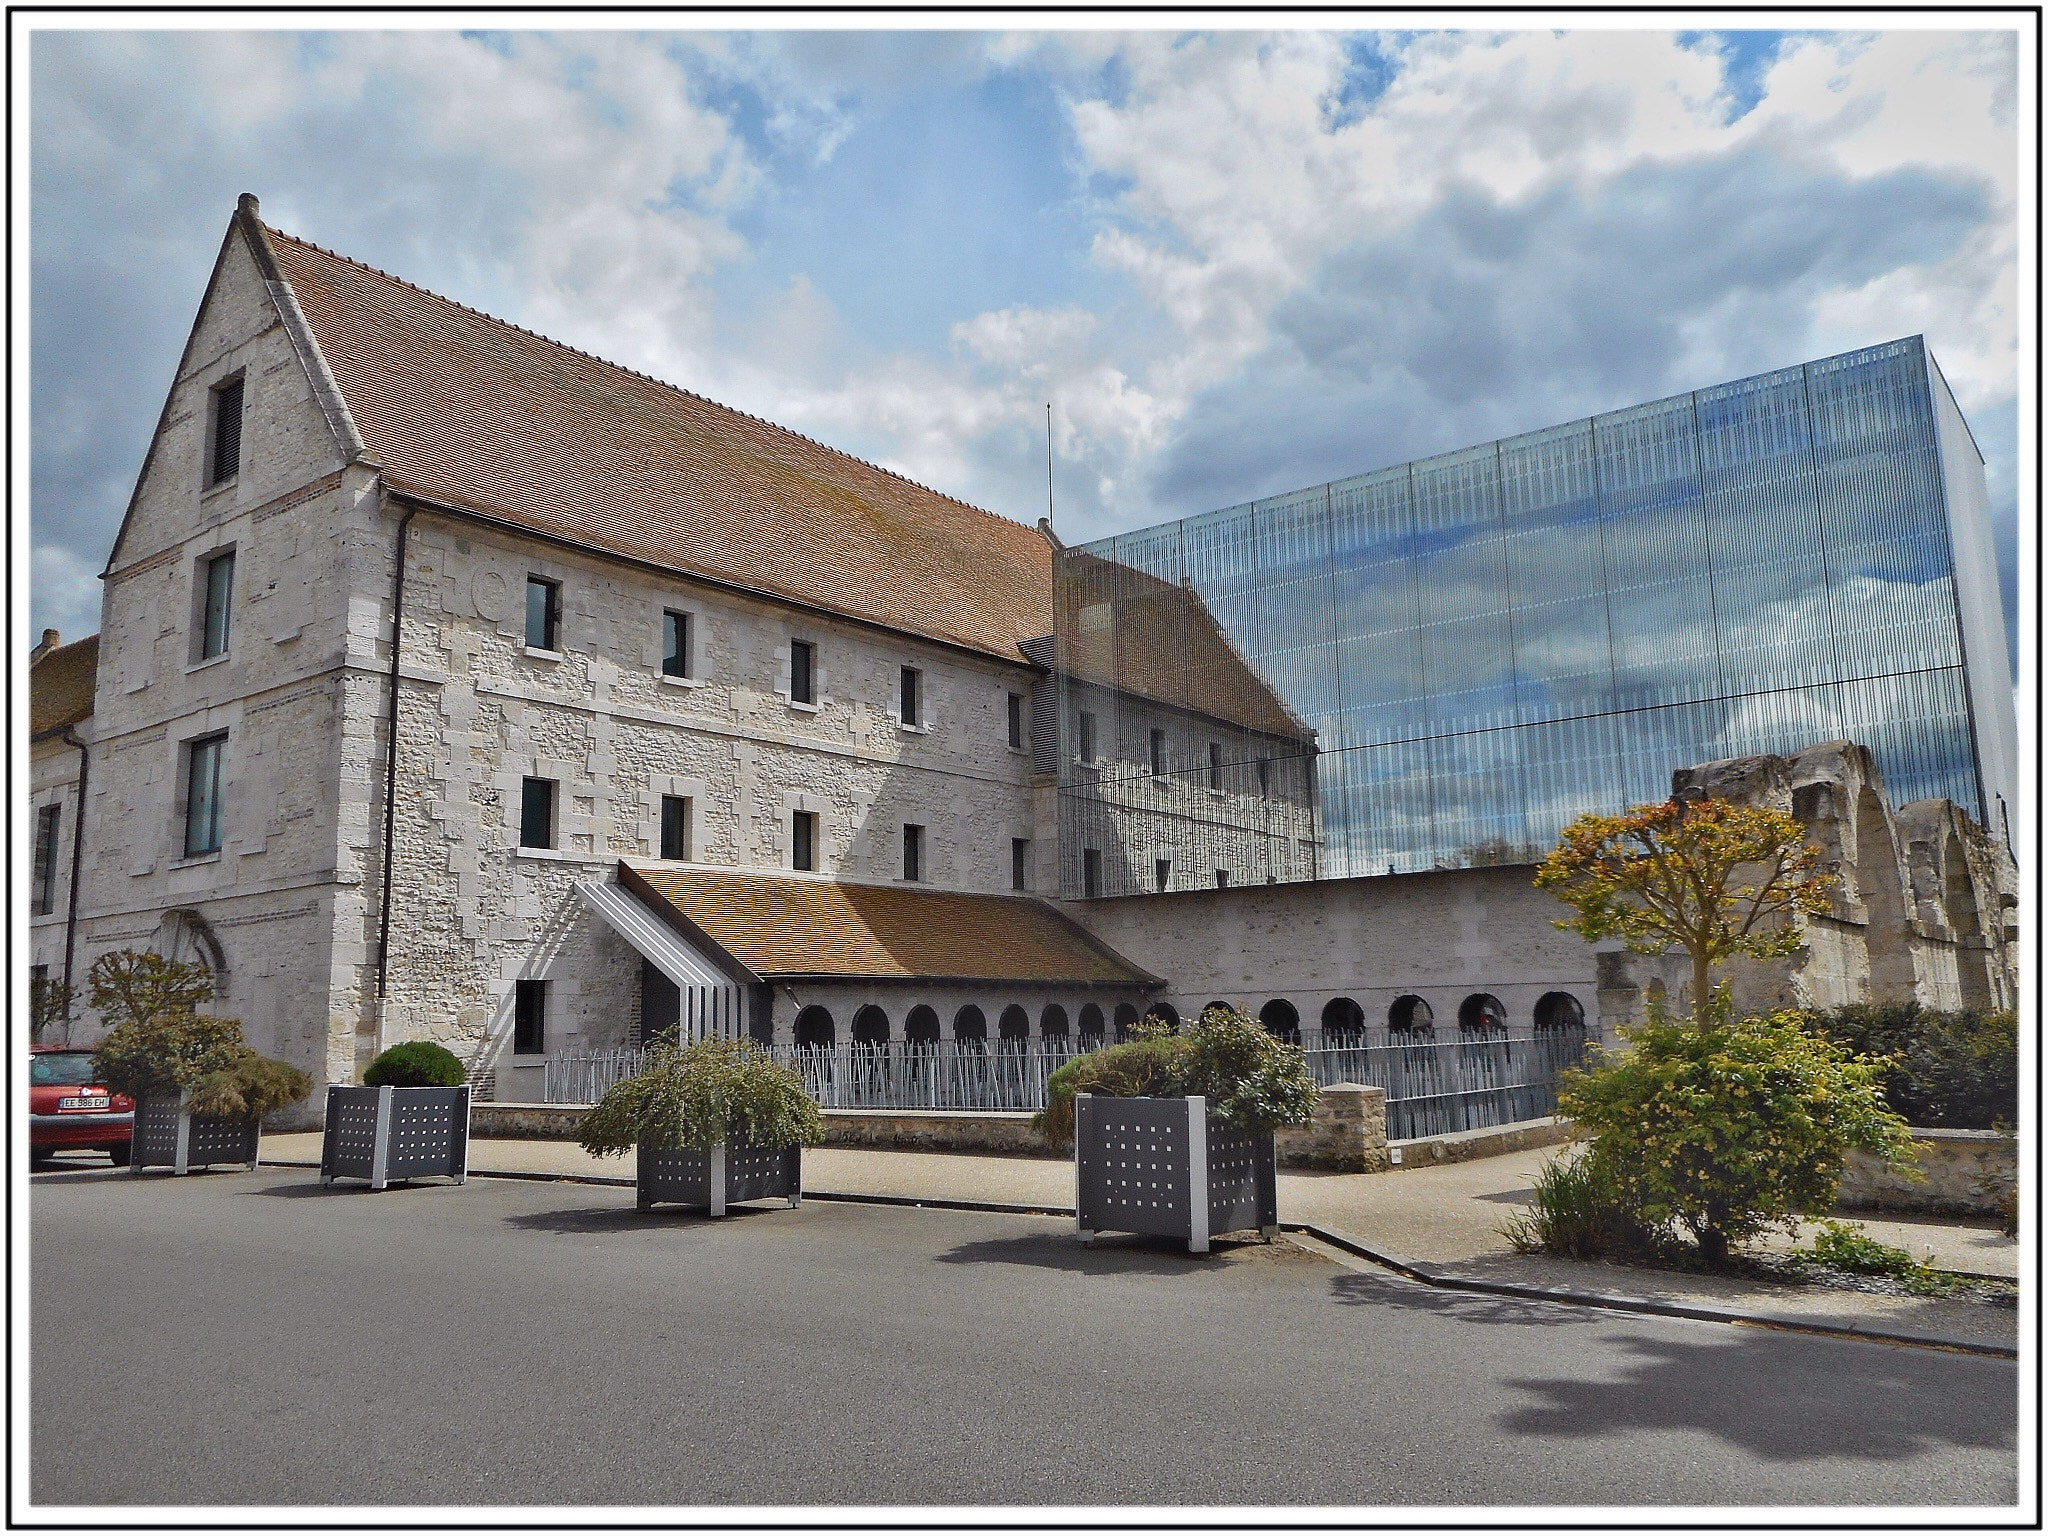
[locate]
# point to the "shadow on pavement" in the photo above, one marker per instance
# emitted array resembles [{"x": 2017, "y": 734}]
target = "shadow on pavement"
[
  {"x": 626, "y": 1217},
  {"x": 1785, "y": 1400},
  {"x": 1355, "y": 1290},
  {"x": 1121, "y": 1253},
  {"x": 310, "y": 1187}
]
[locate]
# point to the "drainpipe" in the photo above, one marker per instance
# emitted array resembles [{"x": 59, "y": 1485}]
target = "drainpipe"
[
  {"x": 391, "y": 768},
  {"x": 70, "y": 738}
]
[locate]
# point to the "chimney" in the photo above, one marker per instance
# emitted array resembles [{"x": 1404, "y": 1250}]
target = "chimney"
[
  {"x": 50, "y": 642},
  {"x": 247, "y": 204}
]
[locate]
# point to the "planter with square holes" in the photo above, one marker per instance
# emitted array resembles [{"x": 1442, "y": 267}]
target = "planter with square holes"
[
  {"x": 1167, "y": 1167},
  {"x": 721, "y": 1176},
  {"x": 388, "y": 1134}
]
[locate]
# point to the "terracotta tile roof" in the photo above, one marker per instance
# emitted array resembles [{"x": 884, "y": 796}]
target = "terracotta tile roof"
[
  {"x": 779, "y": 925},
  {"x": 461, "y": 408},
  {"x": 1157, "y": 639},
  {"x": 60, "y": 685}
]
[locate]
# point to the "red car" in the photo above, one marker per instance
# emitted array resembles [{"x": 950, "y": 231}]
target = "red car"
[{"x": 67, "y": 1108}]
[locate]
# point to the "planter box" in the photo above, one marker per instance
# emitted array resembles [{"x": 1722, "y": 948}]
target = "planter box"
[
  {"x": 1169, "y": 1168},
  {"x": 387, "y": 1133},
  {"x": 169, "y": 1135},
  {"x": 715, "y": 1179}
]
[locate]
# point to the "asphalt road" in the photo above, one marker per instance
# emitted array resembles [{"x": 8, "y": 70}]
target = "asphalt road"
[{"x": 238, "y": 1338}]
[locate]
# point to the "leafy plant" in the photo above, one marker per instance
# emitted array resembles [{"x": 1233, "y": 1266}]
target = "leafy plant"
[
  {"x": 161, "y": 1044},
  {"x": 49, "y": 1005},
  {"x": 1577, "y": 1212},
  {"x": 1721, "y": 1129},
  {"x": 1250, "y": 1079},
  {"x": 1707, "y": 876},
  {"x": 415, "y": 1064},
  {"x": 1957, "y": 1070},
  {"x": 1843, "y": 1246},
  {"x": 702, "y": 1095}
]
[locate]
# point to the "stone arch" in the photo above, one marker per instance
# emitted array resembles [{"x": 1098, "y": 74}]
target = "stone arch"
[
  {"x": 871, "y": 1025},
  {"x": 1559, "y": 1012},
  {"x": 1482, "y": 1014},
  {"x": 1165, "y": 1012},
  {"x": 1091, "y": 1019},
  {"x": 814, "y": 1027},
  {"x": 922, "y": 1026},
  {"x": 1016, "y": 1024},
  {"x": 1282, "y": 1020},
  {"x": 1343, "y": 1016},
  {"x": 1051, "y": 1022},
  {"x": 1126, "y": 1015},
  {"x": 1215, "y": 1002},
  {"x": 1411, "y": 1015},
  {"x": 970, "y": 1023},
  {"x": 1886, "y": 938},
  {"x": 183, "y": 935}
]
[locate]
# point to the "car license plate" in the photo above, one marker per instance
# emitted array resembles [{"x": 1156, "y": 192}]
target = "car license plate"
[{"x": 84, "y": 1103}]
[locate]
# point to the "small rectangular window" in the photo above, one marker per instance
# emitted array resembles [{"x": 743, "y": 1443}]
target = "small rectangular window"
[
  {"x": 909, "y": 703},
  {"x": 803, "y": 840},
  {"x": 1091, "y": 871},
  {"x": 1020, "y": 858},
  {"x": 675, "y": 644},
  {"x": 537, "y": 813},
  {"x": 45, "y": 879},
  {"x": 803, "y": 669},
  {"x": 913, "y": 851},
  {"x": 675, "y": 827},
  {"x": 220, "y": 591},
  {"x": 1017, "y": 721},
  {"x": 1162, "y": 872},
  {"x": 1087, "y": 737},
  {"x": 543, "y": 613},
  {"x": 1156, "y": 754},
  {"x": 227, "y": 432},
  {"x": 1222, "y": 879},
  {"x": 202, "y": 796},
  {"x": 1215, "y": 765},
  {"x": 529, "y": 1018}
]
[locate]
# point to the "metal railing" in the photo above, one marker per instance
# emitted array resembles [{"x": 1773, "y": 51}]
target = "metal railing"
[{"x": 1433, "y": 1086}]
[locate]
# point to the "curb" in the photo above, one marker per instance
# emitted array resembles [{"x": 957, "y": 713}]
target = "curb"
[{"x": 1336, "y": 1237}]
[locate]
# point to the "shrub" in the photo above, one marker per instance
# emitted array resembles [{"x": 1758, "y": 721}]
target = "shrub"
[
  {"x": 1250, "y": 1079},
  {"x": 1577, "y": 1212},
  {"x": 1954, "y": 1070},
  {"x": 1839, "y": 1245},
  {"x": 700, "y": 1096},
  {"x": 415, "y": 1064},
  {"x": 1719, "y": 1130},
  {"x": 161, "y": 1043}
]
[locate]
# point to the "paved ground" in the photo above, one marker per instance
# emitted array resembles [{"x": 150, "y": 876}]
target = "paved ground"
[
  {"x": 1449, "y": 1215},
  {"x": 253, "y": 1338}
]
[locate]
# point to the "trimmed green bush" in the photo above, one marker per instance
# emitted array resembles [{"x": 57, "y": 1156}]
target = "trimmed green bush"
[
  {"x": 1958, "y": 1071},
  {"x": 1577, "y": 1212},
  {"x": 415, "y": 1064},
  {"x": 1719, "y": 1130},
  {"x": 160, "y": 1043},
  {"x": 702, "y": 1095},
  {"x": 1251, "y": 1080}
]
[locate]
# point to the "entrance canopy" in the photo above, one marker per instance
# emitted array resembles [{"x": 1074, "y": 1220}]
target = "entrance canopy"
[{"x": 712, "y": 1002}]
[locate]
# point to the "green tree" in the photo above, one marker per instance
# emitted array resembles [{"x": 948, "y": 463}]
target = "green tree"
[
  {"x": 1707, "y": 876},
  {"x": 1725, "y": 1126},
  {"x": 49, "y": 1005},
  {"x": 132, "y": 986}
]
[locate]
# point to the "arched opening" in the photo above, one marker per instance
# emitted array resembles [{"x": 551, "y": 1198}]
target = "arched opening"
[
  {"x": 1013, "y": 1026},
  {"x": 871, "y": 1026},
  {"x": 1655, "y": 999},
  {"x": 186, "y": 937},
  {"x": 922, "y": 1027},
  {"x": 970, "y": 1023},
  {"x": 1343, "y": 1018},
  {"x": 1965, "y": 918},
  {"x": 1216, "y": 1002},
  {"x": 1054, "y": 1020},
  {"x": 1411, "y": 1015},
  {"x": 1091, "y": 1019},
  {"x": 1482, "y": 1014},
  {"x": 1885, "y": 937},
  {"x": 814, "y": 1027},
  {"x": 1165, "y": 1013},
  {"x": 1557, "y": 1012},
  {"x": 1282, "y": 1020},
  {"x": 1126, "y": 1015}
]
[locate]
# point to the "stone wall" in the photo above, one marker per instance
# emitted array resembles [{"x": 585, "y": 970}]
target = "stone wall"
[{"x": 1967, "y": 1173}]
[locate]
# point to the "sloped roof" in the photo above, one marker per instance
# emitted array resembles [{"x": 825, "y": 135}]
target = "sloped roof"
[
  {"x": 60, "y": 685},
  {"x": 779, "y": 925},
  {"x": 460, "y": 408}
]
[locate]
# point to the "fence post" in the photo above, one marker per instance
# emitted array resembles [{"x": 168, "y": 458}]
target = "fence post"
[
  {"x": 1084, "y": 1114},
  {"x": 1198, "y": 1174},
  {"x": 380, "y": 1149}
]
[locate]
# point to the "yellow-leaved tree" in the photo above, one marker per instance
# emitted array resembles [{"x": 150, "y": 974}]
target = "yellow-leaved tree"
[{"x": 1710, "y": 877}]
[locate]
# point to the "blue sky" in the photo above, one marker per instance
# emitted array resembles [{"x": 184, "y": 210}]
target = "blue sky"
[{"x": 1236, "y": 263}]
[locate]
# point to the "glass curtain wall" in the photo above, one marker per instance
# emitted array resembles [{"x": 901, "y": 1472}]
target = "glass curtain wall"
[{"x": 1439, "y": 665}]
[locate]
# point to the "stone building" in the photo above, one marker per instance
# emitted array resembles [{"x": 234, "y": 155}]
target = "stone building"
[{"x": 455, "y": 684}]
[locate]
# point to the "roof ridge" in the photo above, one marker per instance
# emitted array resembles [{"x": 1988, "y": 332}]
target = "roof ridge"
[{"x": 513, "y": 325}]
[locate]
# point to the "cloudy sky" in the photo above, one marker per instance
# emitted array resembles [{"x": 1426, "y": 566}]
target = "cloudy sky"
[{"x": 1235, "y": 263}]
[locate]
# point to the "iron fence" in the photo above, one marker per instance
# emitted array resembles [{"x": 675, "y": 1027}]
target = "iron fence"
[{"x": 1433, "y": 1086}]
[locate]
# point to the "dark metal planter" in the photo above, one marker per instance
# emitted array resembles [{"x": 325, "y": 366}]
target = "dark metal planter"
[
  {"x": 387, "y": 1133},
  {"x": 1169, "y": 1168},
  {"x": 715, "y": 1179},
  {"x": 169, "y": 1135}
]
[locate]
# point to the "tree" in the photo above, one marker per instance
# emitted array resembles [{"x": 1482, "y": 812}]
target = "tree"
[
  {"x": 1707, "y": 876},
  {"x": 49, "y": 1004},
  {"x": 132, "y": 986}
]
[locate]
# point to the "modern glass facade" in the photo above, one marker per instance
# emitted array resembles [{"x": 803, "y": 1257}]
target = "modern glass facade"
[{"x": 1441, "y": 664}]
